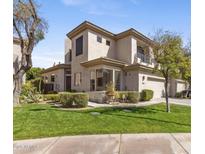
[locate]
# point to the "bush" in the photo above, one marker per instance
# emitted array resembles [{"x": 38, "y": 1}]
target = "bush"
[
  {"x": 147, "y": 95},
  {"x": 128, "y": 96},
  {"x": 133, "y": 97},
  {"x": 38, "y": 84},
  {"x": 74, "y": 99},
  {"x": 29, "y": 94},
  {"x": 80, "y": 99},
  {"x": 123, "y": 95},
  {"x": 51, "y": 97},
  {"x": 66, "y": 99}
]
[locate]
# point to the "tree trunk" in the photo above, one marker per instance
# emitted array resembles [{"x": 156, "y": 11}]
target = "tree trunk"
[
  {"x": 17, "y": 86},
  {"x": 166, "y": 95}
]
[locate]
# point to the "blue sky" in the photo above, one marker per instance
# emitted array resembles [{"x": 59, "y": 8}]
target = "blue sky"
[{"x": 146, "y": 16}]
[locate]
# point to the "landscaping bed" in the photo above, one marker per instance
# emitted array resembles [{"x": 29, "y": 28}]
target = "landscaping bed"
[{"x": 44, "y": 120}]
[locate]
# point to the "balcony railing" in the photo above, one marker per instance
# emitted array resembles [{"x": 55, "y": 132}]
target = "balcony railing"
[{"x": 144, "y": 58}]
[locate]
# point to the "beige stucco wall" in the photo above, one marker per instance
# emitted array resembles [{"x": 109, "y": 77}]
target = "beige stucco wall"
[
  {"x": 131, "y": 80},
  {"x": 133, "y": 49},
  {"x": 76, "y": 60},
  {"x": 67, "y": 50},
  {"x": 59, "y": 84},
  {"x": 97, "y": 49},
  {"x": 123, "y": 48}
]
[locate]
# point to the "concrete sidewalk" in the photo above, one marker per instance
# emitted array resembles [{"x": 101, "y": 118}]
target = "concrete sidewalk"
[
  {"x": 166, "y": 143},
  {"x": 186, "y": 102}
]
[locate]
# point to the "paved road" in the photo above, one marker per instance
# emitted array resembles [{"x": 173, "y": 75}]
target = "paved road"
[
  {"x": 186, "y": 102},
  {"x": 108, "y": 144}
]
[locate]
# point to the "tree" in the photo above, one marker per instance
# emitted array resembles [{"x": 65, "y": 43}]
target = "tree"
[
  {"x": 168, "y": 55},
  {"x": 29, "y": 28},
  {"x": 186, "y": 66},
  {"x": 33, "y": 73}
]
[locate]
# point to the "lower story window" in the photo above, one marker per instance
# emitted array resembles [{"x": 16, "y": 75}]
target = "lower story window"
[
  {"x": 53, "y": 78},
  {"x": 77, "y": 79}
]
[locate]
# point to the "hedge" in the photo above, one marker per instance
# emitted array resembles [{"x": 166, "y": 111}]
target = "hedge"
[
  {"x": 51, "y": 97},
  {"x": 147, "y": 94},
  {"x": 74, "y": 99},
  {"x": 128, "y": 96},
  {"x": 133, "y": 97}
]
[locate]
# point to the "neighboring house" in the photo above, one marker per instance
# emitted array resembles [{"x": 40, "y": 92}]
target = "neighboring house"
[
  {"x": 17, "y": 56},
  {"x": 57, "y": 78},
  {"x": 95, "y": 57}
]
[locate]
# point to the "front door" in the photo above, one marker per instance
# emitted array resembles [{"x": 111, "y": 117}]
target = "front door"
[{"x": 68, "y": 83}]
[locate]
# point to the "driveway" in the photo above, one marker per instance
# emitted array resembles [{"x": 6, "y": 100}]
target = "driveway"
[
  {"x": 176, "y": 143},
  {"x": 186, "y": 102}
]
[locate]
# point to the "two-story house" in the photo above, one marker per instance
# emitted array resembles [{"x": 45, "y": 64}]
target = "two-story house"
[{"x": 95, "y": 57}]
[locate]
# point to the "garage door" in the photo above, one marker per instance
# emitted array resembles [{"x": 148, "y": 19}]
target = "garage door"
[
  {"x": 180, "y": 86},
  {"x": 155, "y": 84}
]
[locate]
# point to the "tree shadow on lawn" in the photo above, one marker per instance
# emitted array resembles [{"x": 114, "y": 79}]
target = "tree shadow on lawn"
[
  {"x": 38, "y": 109},
  {"x": 146, "y": 118},
  {"x": 136, "y": 110}
]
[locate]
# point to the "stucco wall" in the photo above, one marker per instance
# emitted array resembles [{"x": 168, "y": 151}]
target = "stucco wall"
[
  {"x": 97, "y": 49},
  {"x": 67, "y": 50},
  {"x": 133, "y": 49},
  {"x": 123, "y": 47},
  {"x": 59, "y": 79},
  {"x": 76, "y": 60},
  {"x": 131, "y": 80}
]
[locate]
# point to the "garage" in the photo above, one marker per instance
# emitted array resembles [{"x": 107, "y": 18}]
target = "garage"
[
  {"x": 155, "y": 84},
  {"x": 180, "y": 86}
]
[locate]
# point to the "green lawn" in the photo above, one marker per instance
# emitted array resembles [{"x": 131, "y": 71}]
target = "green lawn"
[{"x": 35, "y": 121}]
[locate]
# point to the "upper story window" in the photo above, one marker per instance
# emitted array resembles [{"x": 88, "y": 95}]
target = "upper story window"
[
  {"x": 140, "y": 50},
  {"x": 79, "y": 46},
  {"x": 77, "y": 79},
  {"x": 107, "y": 42},
  {"x": 99, "y": 39},
  {"x": 52, "y": 78},
  {"x": 70, "y": 55}
]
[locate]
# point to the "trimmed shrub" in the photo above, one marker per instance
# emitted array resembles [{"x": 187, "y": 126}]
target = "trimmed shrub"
[
  {"x": 123, "y": 95},
  {"x": 80, "y": 99},
  {"x": 147, "y": 94},
  {"x": 128, "y": 96},
  {"x": 51, "y": 97},
  {"x": 66, "y": 99},
  {"x": 74, "y": 99},
  {"x": 133, "y": 97}
]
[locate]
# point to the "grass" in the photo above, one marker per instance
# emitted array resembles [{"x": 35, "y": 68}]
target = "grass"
[{"x": 37, "y": 120}]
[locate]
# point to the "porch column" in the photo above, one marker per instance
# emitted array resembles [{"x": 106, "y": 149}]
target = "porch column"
[{"x": 113, "y": 77}]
